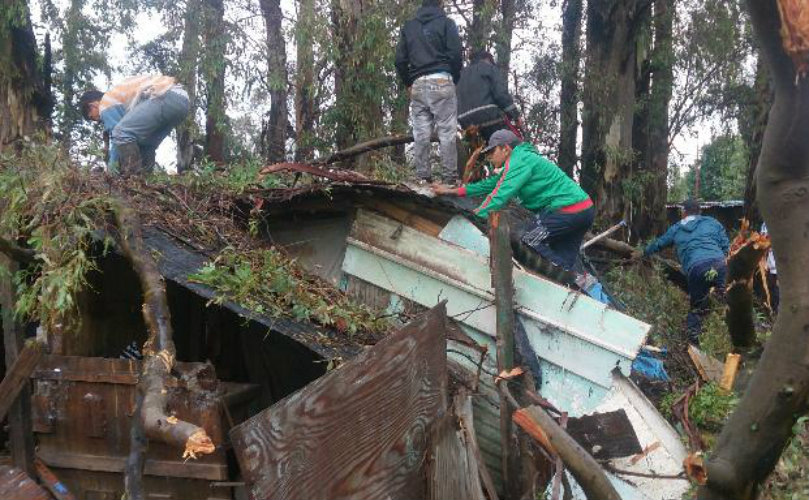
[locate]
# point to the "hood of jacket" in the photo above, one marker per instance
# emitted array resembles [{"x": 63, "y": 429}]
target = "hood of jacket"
[{"x": 426, "y": 14}]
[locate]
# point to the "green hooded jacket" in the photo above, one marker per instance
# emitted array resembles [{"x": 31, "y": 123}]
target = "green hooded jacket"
[{"x": 531, "y": 178}]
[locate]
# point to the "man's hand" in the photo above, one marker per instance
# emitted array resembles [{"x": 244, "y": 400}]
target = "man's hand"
[
  {"x": 636, "y": 255},
  {"x": 440, "y": 189}
]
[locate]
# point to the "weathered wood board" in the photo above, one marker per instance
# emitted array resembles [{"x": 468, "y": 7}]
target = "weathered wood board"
[
  {"x": 452, "y": 470},
  {"x": 358, "y": 432}
]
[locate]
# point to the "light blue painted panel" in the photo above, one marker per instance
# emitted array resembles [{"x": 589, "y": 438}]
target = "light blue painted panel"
[
  {"x": 550, "y": 303},
  {"x": 466, "y": 235},
  {"x": 477, "y": 312}
]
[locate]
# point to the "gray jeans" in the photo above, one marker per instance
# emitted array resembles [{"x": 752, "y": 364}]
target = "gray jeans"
[
  {"x": 433, "y": 104},
  {"x": 151, "y": 121}
]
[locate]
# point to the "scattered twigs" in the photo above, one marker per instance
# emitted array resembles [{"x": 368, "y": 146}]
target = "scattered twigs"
[
  {"x": 621, "y": 472},
  {"x": 680, "y": 410}
]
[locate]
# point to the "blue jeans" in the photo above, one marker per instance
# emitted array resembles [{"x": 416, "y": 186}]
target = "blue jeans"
[
  {"x": 703, "y": 276},
  {"x": 151, "y": 121},
  {"x": 434, "y": 105}
]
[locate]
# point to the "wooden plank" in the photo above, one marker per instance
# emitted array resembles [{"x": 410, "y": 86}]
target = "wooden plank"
[
  {"x": 452, "y": 471},
  {"x": 405, "y": 217},
  {"x": 710, "y": 369},
  {"x": 18, "y": 375},
  {"x": 360, "y": 431},
  {"x": 729, "y": 371},
  {"x": 21, "y": 434},
  {"x": 109, "y": 463},
  {"x": 605, "y": 435},
  {"x": 17, "y": 485}
]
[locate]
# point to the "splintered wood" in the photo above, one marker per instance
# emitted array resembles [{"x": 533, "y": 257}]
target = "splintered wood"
[
  {"x": 359, "y": 431},
  {"x": 795, "y": 32},
  {"x": 747, "y": 250}
]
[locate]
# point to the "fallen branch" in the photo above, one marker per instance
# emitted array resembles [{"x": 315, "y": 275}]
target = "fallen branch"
[
  {"x": 373, "y": 144},
  {"x": 333, "y": 174},
  {"x": 588, "y": 473},
  {"x": 159, "y": 359}
]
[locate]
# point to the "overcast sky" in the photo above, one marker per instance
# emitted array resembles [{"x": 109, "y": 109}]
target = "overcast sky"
[{"x": 150, "y": 26}]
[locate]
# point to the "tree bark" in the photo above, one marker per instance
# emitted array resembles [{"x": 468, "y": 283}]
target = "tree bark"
[
  {"x": 609, "y": 103},
  {"x": 187, "y": 75},
  {"x": 305, "y": 83},
  {"x": 278, "y": 120},
  {"x": 24, "y": 100},
  {"x": 743, "y": 263},
  {"x": 569, "y": 98},
  {"x": 214, "y": 71},
  {"x": 479, "y": 32},
  {"x": 756, "y": 433},
  {"x": 502, "y": 40},
  {"x": 753, "y": 122},
  {"x": 651, "y": 129}
]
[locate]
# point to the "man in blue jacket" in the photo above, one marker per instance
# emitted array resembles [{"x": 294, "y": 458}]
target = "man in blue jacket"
[
  {"x": 428, "y": 61},
  {"x": 702, "y": 245}
]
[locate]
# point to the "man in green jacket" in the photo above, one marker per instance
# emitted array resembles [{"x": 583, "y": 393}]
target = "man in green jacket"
[{"x": 563, "y": 210}]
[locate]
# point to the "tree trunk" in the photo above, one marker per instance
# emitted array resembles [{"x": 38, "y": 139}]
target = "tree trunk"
[
  {"x": 609, "y": 103},
  {"x": 482, "y": 14},
  {"x": 758, "y": 430},
  {"x": 305, "y": 83},
  {"x": 278, "y": 121},
  {"x": 71, "y": 59},
  {"x": 752, "y": 124},
  {"x": 187, "y": 75},
  {"x": 359, "y": 85},
  {"x": 651, "y": 139},
  {"x": 569, "y": 99},
  {"x": 24, "y": 99},
  {"x": 214, "y": 71},
  {"x": 502, "y": 41}
]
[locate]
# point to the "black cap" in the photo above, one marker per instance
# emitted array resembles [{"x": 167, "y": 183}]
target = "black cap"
[
  {"x": 502, "y": 137},
  {"x": 691, "y": 206}
]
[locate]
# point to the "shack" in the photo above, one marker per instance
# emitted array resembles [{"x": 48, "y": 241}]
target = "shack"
[{"x": 249, "y": 375}]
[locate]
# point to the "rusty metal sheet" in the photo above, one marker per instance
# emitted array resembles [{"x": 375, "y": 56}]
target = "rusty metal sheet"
[
  {"x": 16, "y": 485},
  {"x": 358, "y": 432},
  {"x": 605, "y": 435}
]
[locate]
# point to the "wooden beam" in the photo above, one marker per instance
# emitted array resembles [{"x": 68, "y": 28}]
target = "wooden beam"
[
  {"x": 19, "y": 415},
  {"x": 503, "y": 284},
  {"x": 17, "y": 375}
]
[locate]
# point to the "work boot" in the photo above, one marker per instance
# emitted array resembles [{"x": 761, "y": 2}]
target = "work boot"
[{"x": 129, "y": 160}]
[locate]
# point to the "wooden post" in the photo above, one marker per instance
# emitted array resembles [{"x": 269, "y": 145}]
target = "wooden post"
[
  {"x": 19, "y": 416},
  {"x": 503, "y": 285},
  {"x": 16, "y": 378}
]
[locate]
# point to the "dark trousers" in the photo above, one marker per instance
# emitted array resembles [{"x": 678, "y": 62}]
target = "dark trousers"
[
  {"x": 775, "y": 293},
  {"x": 557, "y": 236},
  {"x": 702, "y": 277}
]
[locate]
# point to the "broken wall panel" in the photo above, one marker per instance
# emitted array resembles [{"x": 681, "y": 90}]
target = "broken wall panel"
[
  {"x": 360, "y": 431},
  {"x": 83, "y": 411}
]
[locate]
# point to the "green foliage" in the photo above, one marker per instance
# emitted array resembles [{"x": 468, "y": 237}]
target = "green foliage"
[
  {"x": 268, "y": 283},
  {"x": 723, "y": 169},
  {"x": 710, "y": 407},
  {"x": 46, "y": 207}
]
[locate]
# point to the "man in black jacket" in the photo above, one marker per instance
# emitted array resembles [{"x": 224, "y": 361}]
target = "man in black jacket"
[
  {"x": 483, "y": 97},
  {"x": 428, "y": 60}
]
